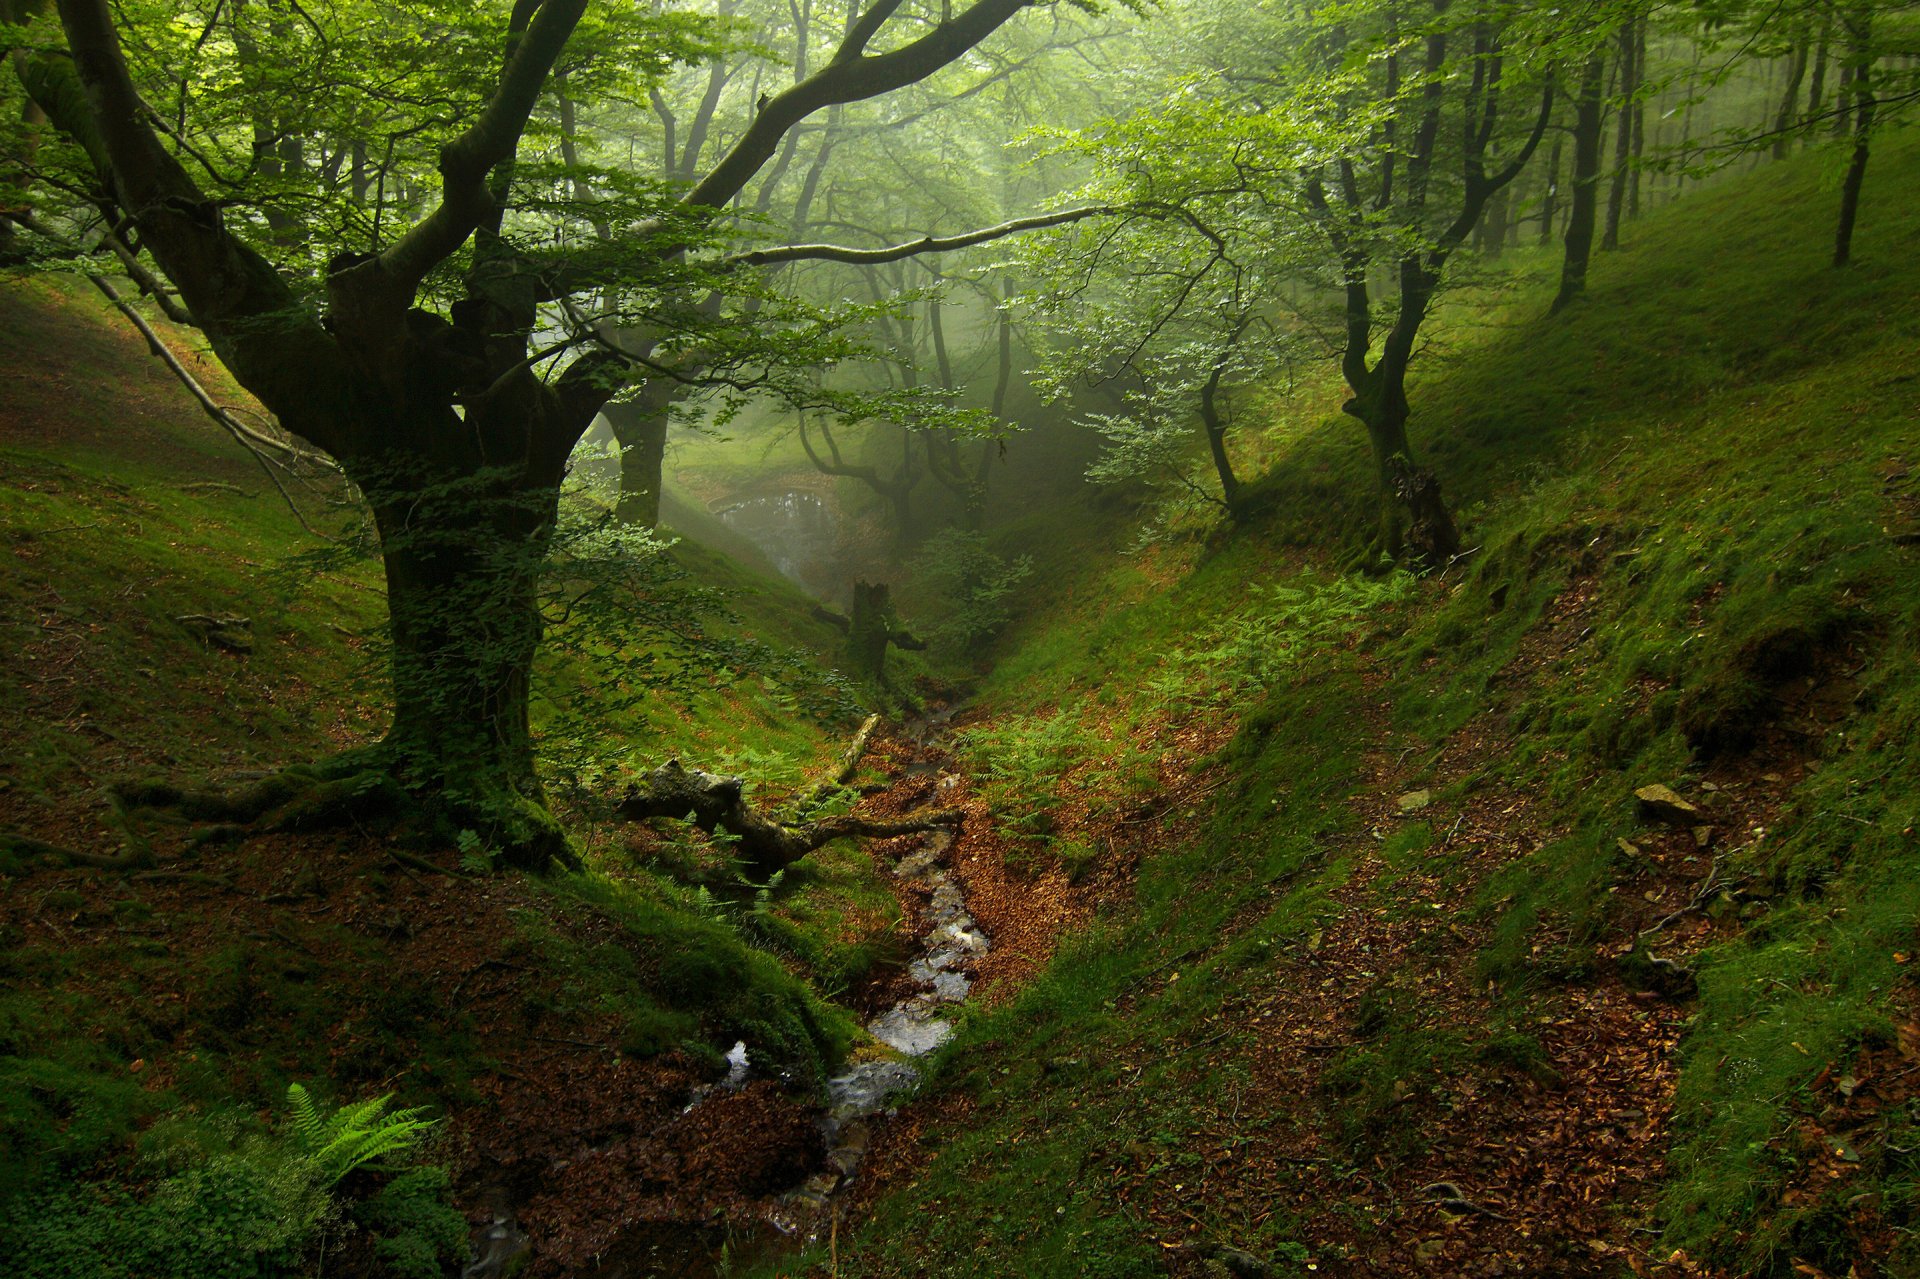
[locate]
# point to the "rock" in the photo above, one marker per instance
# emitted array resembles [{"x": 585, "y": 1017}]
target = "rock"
[
  {"x": 1415, "y": 800},
  {"x": 501, "y": 1250},
  {"x": 1663, "y": 804},
  {"x": 1702, "y": 836},
  {"x": 1429, "y": 1250},
  {"x": 1646, "y": 971},
  {"x": 905, "y": 1033}
]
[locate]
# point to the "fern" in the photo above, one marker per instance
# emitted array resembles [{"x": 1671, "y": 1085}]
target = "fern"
[{"x": 353, "y": 1136}]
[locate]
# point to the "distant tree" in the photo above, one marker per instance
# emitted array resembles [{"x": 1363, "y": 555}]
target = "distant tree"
[{"x": 1332, "y": 148}]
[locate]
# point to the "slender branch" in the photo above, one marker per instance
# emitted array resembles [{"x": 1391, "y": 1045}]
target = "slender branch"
[{"x": 913, "y": 248}]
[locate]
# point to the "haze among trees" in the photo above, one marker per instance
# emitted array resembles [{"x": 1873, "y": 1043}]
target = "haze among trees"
[{"x": 855, "y": 496}]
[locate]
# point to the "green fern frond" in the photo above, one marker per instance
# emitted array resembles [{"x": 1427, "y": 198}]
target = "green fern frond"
[{"x": 355, "y": 1135}]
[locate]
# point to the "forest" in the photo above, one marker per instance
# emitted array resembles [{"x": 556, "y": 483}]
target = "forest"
[{"x": 884, "y": 638}]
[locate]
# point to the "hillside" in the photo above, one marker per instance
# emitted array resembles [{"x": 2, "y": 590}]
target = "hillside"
[
  {"x": 1336, "y": 924},
  {"x": 155, "y": 1013},
  {"x": 1402, "y": 977}
]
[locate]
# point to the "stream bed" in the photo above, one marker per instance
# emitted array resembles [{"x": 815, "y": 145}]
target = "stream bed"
[{"x": 913, "y": 1026}]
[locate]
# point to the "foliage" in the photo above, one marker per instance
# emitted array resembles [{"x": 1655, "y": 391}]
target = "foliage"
[
  {"x": 229, "y": 1202},
  {"x": 1240, "y": 657},
  {"x": 1669, "y": 551},
  {"x": 353, "y": 1136},
  {"x": 418, "y": 1234},
  {"x": 975, "y": 585}
]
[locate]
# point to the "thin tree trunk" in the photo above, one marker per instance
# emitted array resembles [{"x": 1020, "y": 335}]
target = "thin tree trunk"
[
  {"x": 1550, "y": 201},
  {"x": 1622, "y": 141},
  {"x": 1783, "y": 120},
  {"x": 1639, "y": 119},
  {"x": 1215, "y": 424},
  {"x": 1860, "y": 50},
  {"x": 1817, "y": 88},
  {"x": 1586, "y": 180}
]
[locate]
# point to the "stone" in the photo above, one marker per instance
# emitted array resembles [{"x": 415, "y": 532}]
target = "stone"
[
  {"x": 1702, "y": 836},
  {"x": 1415, "y": 800},
  {"x": 1663, "y": 804}
]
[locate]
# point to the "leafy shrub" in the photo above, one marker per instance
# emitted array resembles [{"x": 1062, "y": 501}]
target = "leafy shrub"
[
  {"x": 418, "y": 1230},
  {"x": 227, "y": 1205},
  {"x": 975, "y": 586}
]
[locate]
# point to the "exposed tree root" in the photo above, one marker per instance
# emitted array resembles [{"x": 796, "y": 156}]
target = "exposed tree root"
[
  {"x": 715, "y": 803},
  {"x": 364, "y": 787},
  {"x": 15, "y": 844}
]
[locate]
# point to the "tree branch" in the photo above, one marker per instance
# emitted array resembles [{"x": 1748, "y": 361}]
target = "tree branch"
[
  {"x": 466, "y": 161},
  {"x": 913, "y": 248}
]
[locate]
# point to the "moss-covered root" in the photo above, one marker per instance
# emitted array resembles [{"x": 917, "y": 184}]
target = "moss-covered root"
[
  {"x": 366, "y": 788},
  {"x": 16, "y": 848}
]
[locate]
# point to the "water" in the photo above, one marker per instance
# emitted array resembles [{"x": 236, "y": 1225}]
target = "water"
[
  {"x": 795, "y": 531},
  {"x": 912, "y": 1027}
]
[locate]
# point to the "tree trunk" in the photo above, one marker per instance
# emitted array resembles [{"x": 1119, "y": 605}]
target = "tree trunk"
[
  {"x": 640, "y": 426},
  {"x": 1622, "y": 141},
  {"x": 463, "y": 553},
  {"x": 1817, "y": 89},
  {"x": 1549, "y": 201},
  {"x": 1783, "y": 120},
  {"x": 870, "y": 630},
  {"x": 1586, "y": 180},
  {"x": 1639, "y": 119},
  {"x": 1493, "y": 226},
  {"x": 1860, "y": 51},
  {"x": 1413, "y": 516}
]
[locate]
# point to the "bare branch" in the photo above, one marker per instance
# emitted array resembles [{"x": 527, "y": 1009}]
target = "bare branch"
[{"x": 913, "y": 248}]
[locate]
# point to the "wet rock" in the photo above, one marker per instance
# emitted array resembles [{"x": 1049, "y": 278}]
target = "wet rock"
[
  {"x": 864, "y": 1089},
  {"x": 948, "y": 906},
  {"x": 918, "y": 865},
  {"x": 898, "y": 1028},
  {"x": 1663, "y": 804},
  {"x": 966, "y": 938},
  {"x": 501, "y": 1250}
]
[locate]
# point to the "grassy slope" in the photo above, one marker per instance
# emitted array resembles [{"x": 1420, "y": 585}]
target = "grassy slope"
[
  {"x": 1682, "y": 494},
  {"x": 123, "y": 509}
]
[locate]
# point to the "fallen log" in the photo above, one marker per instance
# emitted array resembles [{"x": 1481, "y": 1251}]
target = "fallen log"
[
  {"x": 844, "y": 768},
  {"x": 715, "y": 803}
]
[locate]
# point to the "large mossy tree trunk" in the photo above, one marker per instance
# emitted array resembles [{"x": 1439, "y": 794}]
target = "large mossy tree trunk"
[{"x": 466, "y": 521}]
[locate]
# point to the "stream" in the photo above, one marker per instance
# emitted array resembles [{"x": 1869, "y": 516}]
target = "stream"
[
  {"x": 913, "y": 1026},
  {"x": 938, "y": 979}
]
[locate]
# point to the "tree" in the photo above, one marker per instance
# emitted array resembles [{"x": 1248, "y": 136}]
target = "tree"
[
  {"x": 415, "y": 357},
  {"x": 1335, "y": 148}
]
